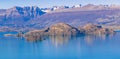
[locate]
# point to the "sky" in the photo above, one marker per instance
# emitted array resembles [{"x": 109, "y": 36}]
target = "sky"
[{"x": 4, "y": 4}]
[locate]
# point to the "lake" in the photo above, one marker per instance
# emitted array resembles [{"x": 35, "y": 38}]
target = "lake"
[{"x": 82, "y": 47}]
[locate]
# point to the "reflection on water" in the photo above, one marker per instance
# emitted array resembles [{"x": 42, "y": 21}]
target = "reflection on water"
[
  {"x": 88, "y": 39},
  {"x": 62, "y": 47},
  {"x": 60, "y": 40}
]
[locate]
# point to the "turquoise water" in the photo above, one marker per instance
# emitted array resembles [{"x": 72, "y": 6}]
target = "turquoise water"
[{"x": 83, "y": 47}]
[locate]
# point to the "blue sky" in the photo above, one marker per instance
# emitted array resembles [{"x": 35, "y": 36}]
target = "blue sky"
[{"x": 49, "y": 3}]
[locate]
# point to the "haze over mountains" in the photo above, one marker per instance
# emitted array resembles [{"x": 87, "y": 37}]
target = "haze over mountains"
[{"x": 35, "y": 17}]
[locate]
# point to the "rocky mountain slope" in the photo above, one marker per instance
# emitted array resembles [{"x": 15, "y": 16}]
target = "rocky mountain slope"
[
  {"x": 103, "y": 17},
  {"x": 19, "y": 15},
  {"x": 22, "y": 18}
]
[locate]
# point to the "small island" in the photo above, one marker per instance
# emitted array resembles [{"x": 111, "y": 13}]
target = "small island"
[{"x": 63, "y": 29}]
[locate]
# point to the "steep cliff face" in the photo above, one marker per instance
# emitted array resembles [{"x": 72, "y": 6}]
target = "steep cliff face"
[
  {"x": 33, "y": 11},
  {"x": 19, "y": 15}
]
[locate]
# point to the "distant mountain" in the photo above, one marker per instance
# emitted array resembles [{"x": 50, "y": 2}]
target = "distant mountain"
[
  {"x": 88, "y": 7},
  {"x": 78, "y": 18},
  {"x": 19, "y": 15},
  {"x": 37, "y": 18}
]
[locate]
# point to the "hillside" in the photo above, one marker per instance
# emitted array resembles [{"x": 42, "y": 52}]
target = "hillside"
[
  {"x": 30, "y": 18},
  {"x": 19, "y": 15},
  {"x": 78, "y": 18}
]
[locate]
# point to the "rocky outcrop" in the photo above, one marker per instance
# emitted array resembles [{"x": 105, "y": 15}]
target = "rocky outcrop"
[
  {"x": 6, "y": 35},
  {"x": 96, "y": 29},
  {"x": 19, "y": 34},
  {"x": 35, "y": 35},
  {"x": 62, "y": 29}
]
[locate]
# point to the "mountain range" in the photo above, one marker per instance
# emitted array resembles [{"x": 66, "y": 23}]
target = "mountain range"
[{"x": 26, "y": 18}]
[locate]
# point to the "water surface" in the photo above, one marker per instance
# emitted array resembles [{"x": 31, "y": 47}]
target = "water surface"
[{"x": 82, "y": 47}]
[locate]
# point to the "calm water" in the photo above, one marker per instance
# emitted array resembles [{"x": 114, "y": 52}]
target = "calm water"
[{"x": 84, "y": 47}]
